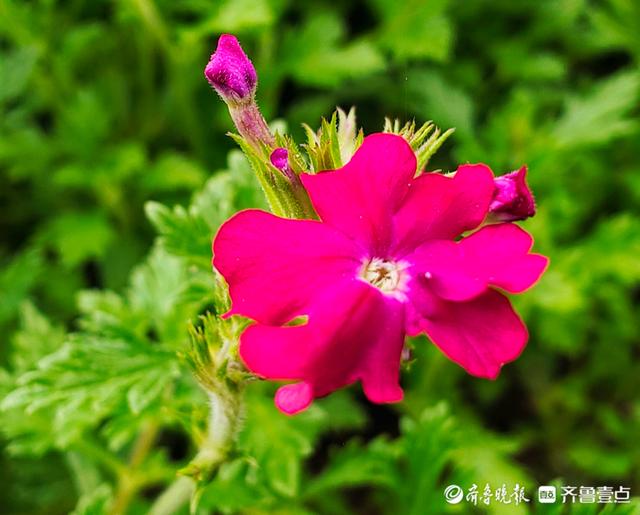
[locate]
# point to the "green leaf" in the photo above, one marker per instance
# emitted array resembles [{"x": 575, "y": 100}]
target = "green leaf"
[
  {"x": 17, "y": 277},
  {"x": 235, "y": 16},
  {"x": 80, "y": 236},
  {"x": 169, "y": 293},
  {"x": 184, "y": 233},
  {"x": 88, "y": 380},
  {"x": 429, "y": 440},
  {"x": 433, "y": 97},
  {"x": 16, "y": 68},
  {"x": 314, "y": 54},
  {"x": 37, "y": 337},
  {"x": 356, "y": 465},
  {"x": 96, "y": 502},
  {"x": 601, "y": 115},
  {"x": 173, "y": 171},
  {"x": 415, "y": 29}
]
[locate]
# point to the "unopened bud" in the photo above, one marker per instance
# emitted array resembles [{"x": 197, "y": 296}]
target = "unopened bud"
[
  {"x": 230, "y": 71},
  {"x": 512, "y": 199},
  {"x": 233, "y": 76},
  {"x": 280, "y": 159}
]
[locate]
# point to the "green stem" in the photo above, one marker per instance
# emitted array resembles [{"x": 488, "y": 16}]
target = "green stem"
[
  {"x": 224, "y": 422},
  {"x": 251, "y": 124},
  {"x": 128, "y": 483},
  {"x": 174, "y": 497}
]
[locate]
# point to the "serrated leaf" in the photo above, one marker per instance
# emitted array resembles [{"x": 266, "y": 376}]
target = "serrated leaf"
[
  {"x": 601, "y": 115},
  {"x": 36, "y": 338},
  {"x": 88, "y": 379},
  {"x": 356, "y": 465},
  {"x": 182, "y": 232}
]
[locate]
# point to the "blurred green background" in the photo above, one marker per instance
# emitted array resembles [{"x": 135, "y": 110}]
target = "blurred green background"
[{"x": 104, "y": 107}]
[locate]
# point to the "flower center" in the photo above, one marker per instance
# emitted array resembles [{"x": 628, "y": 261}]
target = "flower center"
[{"x": 389, "y": 277}]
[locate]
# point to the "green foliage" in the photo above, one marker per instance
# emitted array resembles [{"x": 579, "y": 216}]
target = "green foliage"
[{"x": 104, "y": 115}]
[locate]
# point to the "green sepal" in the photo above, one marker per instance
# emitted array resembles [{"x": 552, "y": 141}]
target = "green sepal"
[
  {"x": 332, "y": 146},
  {"x": 279, "y": 192},
  {"x": 425, "y": 141}
]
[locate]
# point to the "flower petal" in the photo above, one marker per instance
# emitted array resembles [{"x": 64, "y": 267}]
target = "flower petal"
[
  {"x": 353, "y": 333},
  {"x": 480, "y": 335},
  {"x": 360, "y": 197},
  {"x": 380, "y": 373},
  {"x": 496, "y": 255},
  {"x": 439, "y": 207},
  {"x": 275, "y": 267},
  {"x": 295, "y": 397}
]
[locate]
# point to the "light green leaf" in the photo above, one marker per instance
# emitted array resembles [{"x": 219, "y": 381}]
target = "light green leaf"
[
  {"x": 415, "y": 29},
  {"x": 601, "y": 115},
  {"x": 16, "y": 67}
]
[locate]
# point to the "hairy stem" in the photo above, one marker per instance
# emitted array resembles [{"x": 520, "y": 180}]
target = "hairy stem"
[
  {"x": 224, "y": 422},
  {"x": 251, "y": 124},
  {"x": 174, "y": 497}
]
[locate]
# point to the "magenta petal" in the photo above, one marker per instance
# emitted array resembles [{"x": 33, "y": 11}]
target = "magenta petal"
[
  {"x": 496, "y": 255},
  {"x": 499, "y": 254},
  {"x": 353, "y": 333},
  {"x": 423, "y": 303},
  {"x": 440, "y": 207},
  {"x": 276, "y": 352},
  {"x": 292, "y": 398},
  {"x": 480, "y": 335},
  {"x": 275, "y": 267},
  {"x": 360, "y": 198},
  {"x": 381, "y": 370},
  {"x": 444, "y": 268}
]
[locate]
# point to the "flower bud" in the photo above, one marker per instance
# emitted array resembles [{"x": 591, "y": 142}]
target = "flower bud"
[
  {"x": 512, "y": 199},
  {"x": 280, "y": 159},
  {"x": 230, "y": 71},
  {"x": 233, "y": 76}
]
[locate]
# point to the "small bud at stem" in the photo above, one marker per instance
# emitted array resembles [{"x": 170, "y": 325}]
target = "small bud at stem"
[{"x": 280, "y": 159}]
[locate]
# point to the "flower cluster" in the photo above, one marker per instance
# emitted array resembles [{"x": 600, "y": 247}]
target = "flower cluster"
[{"x": 389, "y": 252}]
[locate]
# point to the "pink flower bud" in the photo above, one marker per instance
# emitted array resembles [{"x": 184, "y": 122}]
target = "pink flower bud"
[
  {"x": 230, "y": 71},
  {"x": 280, "y": 159},
  {"x": 512, "y": 199},
  {"x": 232, "y": 75}
]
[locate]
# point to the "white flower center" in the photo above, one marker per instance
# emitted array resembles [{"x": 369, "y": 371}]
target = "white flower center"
[{"x": 390, "y": 277}]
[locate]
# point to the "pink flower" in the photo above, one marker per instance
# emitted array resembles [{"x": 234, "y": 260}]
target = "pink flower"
[
  {"x": 512, "y": 199},
  {"x": 231, "y": 72},
  {"x": 382, "y": 263}
]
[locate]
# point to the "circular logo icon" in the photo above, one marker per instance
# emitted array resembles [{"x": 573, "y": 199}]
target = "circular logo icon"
[{"x": 453, "y": 494}]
